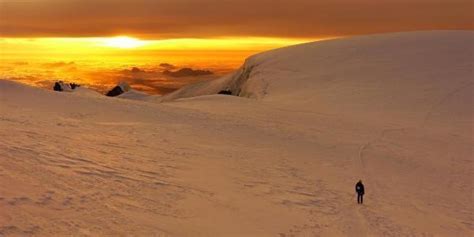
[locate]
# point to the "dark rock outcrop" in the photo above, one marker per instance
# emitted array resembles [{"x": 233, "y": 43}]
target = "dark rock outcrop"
[
  {"x": 74, "y": 85},
  {"x": 61, "y": 86},
  {"x": 121, "y": 88},
  {"x": 225, "y": 92},
  {"x": 115, "y": 91},
  {"x": 57, "y": 87}
]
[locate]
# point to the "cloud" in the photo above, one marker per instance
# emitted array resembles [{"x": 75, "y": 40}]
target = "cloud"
[
  {"x": 180, "y": 18},
  {"x": 20, "y": 63},
  {"x": 187, "y": 72},
  {"x": 59, "y": 64},
  {"x": 155, "y": 81},
  {"x": 167, "y": 66},
  {"x": 150, "y": 78},
  {"x": 134, "y": 70}
]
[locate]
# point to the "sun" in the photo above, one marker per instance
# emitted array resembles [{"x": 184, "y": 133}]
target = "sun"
[{"x": 123, "y": 42}]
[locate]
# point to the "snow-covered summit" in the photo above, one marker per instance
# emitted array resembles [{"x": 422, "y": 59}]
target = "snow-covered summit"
[
  {"x": 376, "y": 72},
  {"x": 423, "y": 77},
  {"x": 133, "y": 94}
]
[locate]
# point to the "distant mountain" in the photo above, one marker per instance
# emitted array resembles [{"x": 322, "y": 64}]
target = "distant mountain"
[{"x": 187, "y": 72}]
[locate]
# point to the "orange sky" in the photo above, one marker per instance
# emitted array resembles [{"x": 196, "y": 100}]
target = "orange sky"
[
  {"x": 102, "y": 62},
  {"x": 42, "y": 41},
  {"x": 215, "y": 18}
]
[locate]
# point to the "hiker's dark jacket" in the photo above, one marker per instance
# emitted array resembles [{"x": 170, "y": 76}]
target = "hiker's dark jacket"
[{"x": 359, "y": 188}]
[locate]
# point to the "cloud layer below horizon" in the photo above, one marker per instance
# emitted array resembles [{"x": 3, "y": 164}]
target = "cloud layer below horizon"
[
  {"x": 217, "y": 18},
  {"x": 153, "y": 80}
]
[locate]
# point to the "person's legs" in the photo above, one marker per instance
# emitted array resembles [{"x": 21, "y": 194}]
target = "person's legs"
[
  {"x": 358, "y": 198},
  {"x": 361, "y": 198}
]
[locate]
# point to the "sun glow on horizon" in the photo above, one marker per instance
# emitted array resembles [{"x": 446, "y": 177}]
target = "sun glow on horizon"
[
  {"x": 107, "y": 49},
  {"x": 124, "y": 42},
  {"x": 101, "y": 61}
]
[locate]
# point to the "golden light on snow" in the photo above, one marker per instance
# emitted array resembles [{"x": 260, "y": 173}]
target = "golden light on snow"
[
  {"x": 321, "y": 117},
  {"x": 124, "y": 42}
]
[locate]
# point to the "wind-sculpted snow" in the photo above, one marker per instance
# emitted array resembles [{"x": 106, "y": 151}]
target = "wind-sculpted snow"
[
  {"x": 379, "y": 73},
  {"x": 280, "y": 158}
]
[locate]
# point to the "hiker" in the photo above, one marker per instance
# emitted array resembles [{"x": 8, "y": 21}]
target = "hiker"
[{"x": 360, "y": 192}]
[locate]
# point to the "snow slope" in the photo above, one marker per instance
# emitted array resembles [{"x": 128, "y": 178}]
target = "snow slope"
[
  {"x": 394, "y": 110},
  {"x": 135, "y": 95},
  {"x": 377, "y": 73}
]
